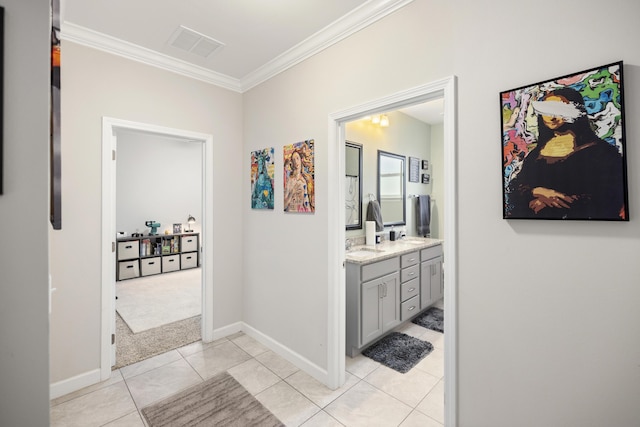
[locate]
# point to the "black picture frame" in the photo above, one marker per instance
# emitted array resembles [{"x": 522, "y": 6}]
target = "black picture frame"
[
  {"x": 426, "y": 178},
  {"x": 55, "y": 143},
  {"x": 414, "y": 169},
  {"x": 1, "y": 99},
  {"x": 425, "y": 164},
  {"x": 563, "y": 147}
]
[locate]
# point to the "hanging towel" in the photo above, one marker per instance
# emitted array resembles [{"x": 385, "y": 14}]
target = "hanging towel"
[
  {"x": 423, "y": 215},
  {"x": 374, "y": 214}
]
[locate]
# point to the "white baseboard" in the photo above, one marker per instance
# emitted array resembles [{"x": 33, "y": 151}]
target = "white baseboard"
[
  {"x": 227, "y": 330},
  {"x": 74, "y": 383},
  {"x": 93, "y": 377},
  {"x": 301, "y": 362}
]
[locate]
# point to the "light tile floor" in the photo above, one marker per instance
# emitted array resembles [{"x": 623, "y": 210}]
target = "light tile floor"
[{"x": 373, "y": 395}]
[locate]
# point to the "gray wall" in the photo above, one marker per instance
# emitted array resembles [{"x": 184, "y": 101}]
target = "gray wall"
[
  {"x": 24, "y": 213},
  {"x": 96, "y": 85},
  {"x": 405, "y": 136},
  {"x": 159, "y": 179},
  {"x": 547, "y": 311}
]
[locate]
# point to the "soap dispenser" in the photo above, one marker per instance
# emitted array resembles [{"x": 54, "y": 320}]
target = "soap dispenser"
[{"x": 392, "y": 234}]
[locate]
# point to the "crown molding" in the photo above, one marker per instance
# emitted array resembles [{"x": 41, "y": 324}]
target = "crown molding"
[
  {"x": 90, "y": 38},
  {"x": 359, "y": 18},
  {"x": 347, "y": 25}
]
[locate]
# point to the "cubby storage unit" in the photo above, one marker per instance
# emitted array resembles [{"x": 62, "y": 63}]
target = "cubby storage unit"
[{"x": 162, "y": 253}]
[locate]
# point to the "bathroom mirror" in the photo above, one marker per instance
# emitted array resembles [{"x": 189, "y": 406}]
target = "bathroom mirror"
[
  {"x": 353, "y": 181},
  {"x": 392, "y": 188}
]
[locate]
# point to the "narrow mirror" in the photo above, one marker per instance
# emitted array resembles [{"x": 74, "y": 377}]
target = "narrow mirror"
[
  {"x": 353, "y": 181},
  {"x": 392, "y": 188}
]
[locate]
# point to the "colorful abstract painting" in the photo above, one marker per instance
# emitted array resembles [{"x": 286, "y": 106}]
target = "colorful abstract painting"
[
  {"x": 262, "y": 173},
  {"x": 299, "y": 193},
  {"x": 563, "y": 148}
]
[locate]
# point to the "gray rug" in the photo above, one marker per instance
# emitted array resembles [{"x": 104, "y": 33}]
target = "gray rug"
[
  {"x": 432, "y": 319},
  {"x": 399, "y": 351},
  {"x": 132, "y": 348},
  {"x": 219, "y": 401}
]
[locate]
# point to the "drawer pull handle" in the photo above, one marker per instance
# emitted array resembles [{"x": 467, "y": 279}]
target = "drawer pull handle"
[
  {"x": 412, "y": 289},
  {"x": 412, "y": 273},
  {"x": 411, "y": 259},
  {"x": 188, "y": 257},
  {"x": 152, "y": 262},
  {"x": 411, "y": 308},
  {"x": 129, "y": 266},
  {"x": 171, "y": 260},
  {"x": 189, "y": 241},
  {"x": 128, "y": 247}
]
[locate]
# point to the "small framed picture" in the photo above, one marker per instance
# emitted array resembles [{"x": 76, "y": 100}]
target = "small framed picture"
[
  {"x": 425, "y": 164},
  {"x": 177, "y": 228},
  {"x": 426, "y": 178}
]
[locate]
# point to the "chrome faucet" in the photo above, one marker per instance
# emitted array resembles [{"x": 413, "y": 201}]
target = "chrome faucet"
[{"x": 347, "y": 244}]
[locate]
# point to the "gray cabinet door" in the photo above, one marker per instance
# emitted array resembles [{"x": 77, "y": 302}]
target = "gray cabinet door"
[
  {"x": 430, "y": 282},
  {"x": 436, "y": 281},
  {"x": 390, "y": 302},
  {"x": 371, "y": 321}
]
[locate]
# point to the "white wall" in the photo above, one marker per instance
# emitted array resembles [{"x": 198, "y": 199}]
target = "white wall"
[
  {"x": 548, "y": 319},
  {"x": 405, "y": 136},
  {"x": 158, "y": 178},
  {"x": 436, "y": 170},
  {"x": 547, "y": 311},
  {"x": 24, "y": 213},
  {"x": 96, "y": 84}
]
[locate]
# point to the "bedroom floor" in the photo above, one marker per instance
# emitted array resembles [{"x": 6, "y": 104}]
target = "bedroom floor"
[{"x": 372, "y": 394}]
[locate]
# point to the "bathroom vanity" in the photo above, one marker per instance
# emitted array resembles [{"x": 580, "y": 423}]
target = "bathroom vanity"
[{"x": 389, "y": 284}]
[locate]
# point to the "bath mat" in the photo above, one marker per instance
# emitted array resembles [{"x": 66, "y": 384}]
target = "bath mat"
[
  {"x": 432, "y": 319},
  {"x": 399, "y": 351},
  {"x": 219, "y": 401}
]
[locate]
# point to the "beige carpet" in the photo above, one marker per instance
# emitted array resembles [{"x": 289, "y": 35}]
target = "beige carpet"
[
  {"x": 149, "y": 302},
  {"x": 219, "y": 401},
  {"x": 132, "y": 348}
]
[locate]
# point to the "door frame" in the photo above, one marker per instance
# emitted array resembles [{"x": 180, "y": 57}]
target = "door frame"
[
  {"x": 110, "y": 127},
  {"x": 445, "y": 88}
]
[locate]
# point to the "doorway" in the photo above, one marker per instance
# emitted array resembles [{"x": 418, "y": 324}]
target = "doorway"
[
  {"x": 112, "y": 128},
  {"x": 158, "y": 188},
  {"x": 445, "y": 88}
]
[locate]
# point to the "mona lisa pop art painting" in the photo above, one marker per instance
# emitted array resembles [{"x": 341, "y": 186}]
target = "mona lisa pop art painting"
[
  {"x": 299, "y": 193},
  {"x": 564, "y": 149}
]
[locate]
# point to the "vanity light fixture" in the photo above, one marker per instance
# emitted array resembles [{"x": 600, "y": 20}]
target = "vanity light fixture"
[
  {"x": 375, "y": 119},
  {"x": 384, "y": 121}
]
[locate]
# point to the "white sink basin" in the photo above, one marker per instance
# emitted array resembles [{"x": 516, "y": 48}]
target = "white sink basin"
[
  {"x": 413, "y": 242},
  {"x": 363, "y": 252}
]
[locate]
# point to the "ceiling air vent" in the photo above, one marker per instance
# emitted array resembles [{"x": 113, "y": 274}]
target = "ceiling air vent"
[{"x": 192, "y": 41}]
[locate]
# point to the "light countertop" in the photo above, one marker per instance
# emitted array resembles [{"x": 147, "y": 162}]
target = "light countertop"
[{"x": 365, "y": 254}]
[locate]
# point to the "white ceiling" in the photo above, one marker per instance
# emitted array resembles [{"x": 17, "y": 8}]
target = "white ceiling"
[{"x": 260, "y": 38}]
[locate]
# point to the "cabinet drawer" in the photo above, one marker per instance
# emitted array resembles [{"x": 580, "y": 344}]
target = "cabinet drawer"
[
  {"x": 380, "y": 268},
  {"x": 410, "y": 259},
  {"x": 128, "y": 269},
  {"x": 149, "y": 266},
  {"x": 170, "y": 263},
  {"x": 409, "y": 273},
  {"x": 189, "y": 260},
  {"x": 432, "y": 252},
  {"x": 129, "y": 249},
  {"x": 409, "y": 289},
  {"x": 410, "y": 307},
  {"x": 189, "y": 243}
]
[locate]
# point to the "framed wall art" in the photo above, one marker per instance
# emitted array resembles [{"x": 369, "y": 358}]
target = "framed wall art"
[
  {"x": 299, "y": 170},
  {"x": 262, "y": 173},
  {"x": 55, "y": 154},
  {"x": 563, "y": 148}
]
